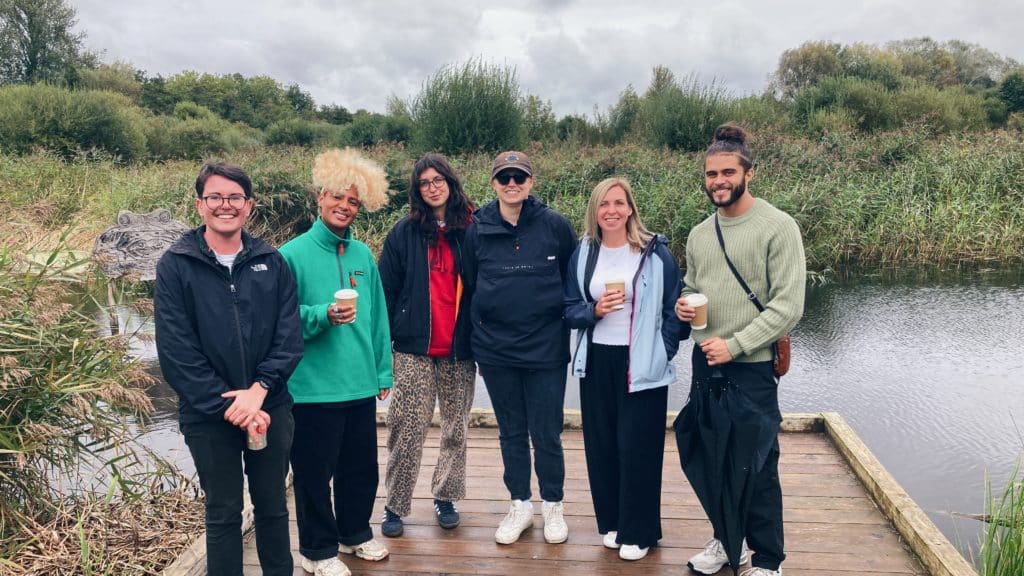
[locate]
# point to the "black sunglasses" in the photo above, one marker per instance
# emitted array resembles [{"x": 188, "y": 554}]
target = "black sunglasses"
[{"x": 504, "y": 177}]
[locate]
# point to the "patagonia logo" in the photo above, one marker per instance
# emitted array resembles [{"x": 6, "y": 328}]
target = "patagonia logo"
[
  {"x": 358, "y": 273},
  {"x": 259, "y": 267}
]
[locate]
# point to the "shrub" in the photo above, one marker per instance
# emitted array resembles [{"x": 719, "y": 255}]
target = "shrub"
[
  {"x": 70, "y": 123},
  {"x": 468, "y": 108},
  {"x": 301, "y": 132},
  {"x": 194, "y": 138},
  {"x": 681, "y": 116},
  {"x": 368, "y": 129}
]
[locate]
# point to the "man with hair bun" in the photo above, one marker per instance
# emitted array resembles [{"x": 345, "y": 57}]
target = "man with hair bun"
[
  {"x": 347, "y": 364},
  {"x": 734, "y": 351}
]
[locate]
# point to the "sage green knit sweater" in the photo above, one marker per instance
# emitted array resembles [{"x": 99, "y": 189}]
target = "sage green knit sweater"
[{"x": 765, "y": 245}]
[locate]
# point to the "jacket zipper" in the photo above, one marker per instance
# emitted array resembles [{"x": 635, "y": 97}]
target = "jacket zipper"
[
  {"x": 632, "y": 311},
  {"x": 238, "y": 329}
]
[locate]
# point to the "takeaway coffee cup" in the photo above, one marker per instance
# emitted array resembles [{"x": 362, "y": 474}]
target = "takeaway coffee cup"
[
  {"x": 613, "y": 285},
  {"x": 346, "y": 297},
  {"x": 700, "y": 315}
]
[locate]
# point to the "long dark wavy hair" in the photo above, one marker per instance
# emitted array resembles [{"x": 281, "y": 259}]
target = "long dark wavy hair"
[{"x": 458, "y": 210}]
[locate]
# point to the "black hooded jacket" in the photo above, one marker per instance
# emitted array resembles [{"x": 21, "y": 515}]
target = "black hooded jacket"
[
  {"x": 514, "y": 275},
  {"x": 217, "y": 331}
]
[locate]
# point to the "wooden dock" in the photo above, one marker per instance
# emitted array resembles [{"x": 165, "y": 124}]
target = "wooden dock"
[{"x": 842, "y": 516}]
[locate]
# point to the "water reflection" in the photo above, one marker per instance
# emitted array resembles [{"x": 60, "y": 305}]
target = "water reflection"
[{"x": 925, "y": 367}]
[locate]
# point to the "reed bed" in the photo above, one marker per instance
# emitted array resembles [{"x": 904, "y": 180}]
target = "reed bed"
[{"x": 1002, "y": 543}]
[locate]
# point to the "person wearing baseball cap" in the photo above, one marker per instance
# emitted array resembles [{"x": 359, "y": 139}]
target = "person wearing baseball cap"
[{"x": 516, "y": 256}]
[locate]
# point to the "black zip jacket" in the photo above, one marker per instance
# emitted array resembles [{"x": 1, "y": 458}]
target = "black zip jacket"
[
  {"x": 515, "y": 276},
  {"x": 405, "y": 274},
  {"x": 217, "y": 332}
]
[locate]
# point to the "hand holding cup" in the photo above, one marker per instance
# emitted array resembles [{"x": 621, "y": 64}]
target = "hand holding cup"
[{"x": 343, "y": 311}]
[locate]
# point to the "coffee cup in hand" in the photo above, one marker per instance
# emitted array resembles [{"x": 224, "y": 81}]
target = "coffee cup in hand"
[
  {"x": 347, "y": 297},
  {"x": 700, "y": 310},
  {"x": 616, "y": 286}
]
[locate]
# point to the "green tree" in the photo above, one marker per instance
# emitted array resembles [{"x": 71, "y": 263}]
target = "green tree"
[
  {"x": 37, "y": 43},
  {"x": 475, "y": 106},
  {"x": 539, "y": 120},
  {"x": 806, "y": 66},
  {"x": 623, "y": 114},
  {"x": 1011, "y": 91},
  {"x": 334, "y": 114}
]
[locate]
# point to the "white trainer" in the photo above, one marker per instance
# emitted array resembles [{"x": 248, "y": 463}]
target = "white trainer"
[
  {"x": 518, "y": 519},
  {"x": 632, "y": 552},
  {"x": 329, "y": 567},
  {"x": 609, "y": 540},
  {"x": 556, "y": 530},
  {"x": 713, "y": 558},
  {"x": 371, "y": 550},
  {"x": 758, "y": 571}
]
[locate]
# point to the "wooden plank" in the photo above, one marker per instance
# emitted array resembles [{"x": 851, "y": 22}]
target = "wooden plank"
[{"x": 924, "y": 538}]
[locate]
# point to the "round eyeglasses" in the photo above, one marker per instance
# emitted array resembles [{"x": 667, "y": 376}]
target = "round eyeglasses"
[{"x": 436, "y": 182}]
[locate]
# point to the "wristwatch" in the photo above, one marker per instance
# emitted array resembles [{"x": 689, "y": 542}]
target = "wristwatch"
[{"x": 263, "y": 385}]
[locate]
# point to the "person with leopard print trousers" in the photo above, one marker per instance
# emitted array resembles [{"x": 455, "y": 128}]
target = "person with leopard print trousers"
[{"x": 420, "y": 266}]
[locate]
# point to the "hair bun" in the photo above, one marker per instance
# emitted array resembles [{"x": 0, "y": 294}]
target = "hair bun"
[{"x": 730, "y": 133}]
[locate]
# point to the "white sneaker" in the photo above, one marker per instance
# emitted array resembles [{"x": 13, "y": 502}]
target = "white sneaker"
[
  {"x": 371, "y": 550},
  {"x": 555, "y": 529},
  {"x": 758, "y": 571},
  {"x": 518, "y": 519},
  {"x": 609, "y": 540},
  {"x": 329, "y": 567},
  {"x": 713, "y": 558},
  {"x": 632, "y": 552}
]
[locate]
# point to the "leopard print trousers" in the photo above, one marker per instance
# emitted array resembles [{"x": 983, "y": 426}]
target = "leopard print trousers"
[{"x": 420, "y": 382}]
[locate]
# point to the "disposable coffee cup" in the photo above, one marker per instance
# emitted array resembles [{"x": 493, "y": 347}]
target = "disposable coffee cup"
[
  {"x": 255, "y": 439},
  {"x": 613, "y": 285},
  {"x": 700, "y": 315},
  {"x": 346, "y": 297}
]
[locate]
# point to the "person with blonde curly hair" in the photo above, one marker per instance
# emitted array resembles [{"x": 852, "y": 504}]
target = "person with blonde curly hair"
[{"x": 347, "y": 364}]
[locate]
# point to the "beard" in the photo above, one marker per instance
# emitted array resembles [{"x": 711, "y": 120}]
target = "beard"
[{"x": 736, "y": 193}]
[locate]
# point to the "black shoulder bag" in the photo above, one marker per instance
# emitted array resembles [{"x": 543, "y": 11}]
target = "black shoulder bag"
[{"x": 781, "y": 348}]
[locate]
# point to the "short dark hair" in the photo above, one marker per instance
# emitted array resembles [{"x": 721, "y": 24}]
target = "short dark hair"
[
  {"x": 458, "y": 209},
  {"x": 731, "y": 139},
  {"x": 224, "y": 170}
]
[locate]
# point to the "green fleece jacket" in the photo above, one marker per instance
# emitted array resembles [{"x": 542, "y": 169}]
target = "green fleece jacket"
[
  {"x": 765, "y": 246},
  {"x": 348, "y": 361}
]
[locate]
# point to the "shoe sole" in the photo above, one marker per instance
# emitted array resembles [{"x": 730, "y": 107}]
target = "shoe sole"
[
  {"x": 744, "y": 558},
  {"x": 392, "y": 534},
  {"x": 306, "y": 569},
  {"x": 360, "y": 554},
  {"x": 551, "y": 541},
  {"x": 449, "y": 525},
  {"x": 513, "y": 540}
]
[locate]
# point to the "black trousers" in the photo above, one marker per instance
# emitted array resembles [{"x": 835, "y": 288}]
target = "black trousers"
[
  {"x": 218, "y": 450},
  {"x": 624, "y": 440},
  {"x": 334, "y": 442},
  {"x": 764, "y": 518}
]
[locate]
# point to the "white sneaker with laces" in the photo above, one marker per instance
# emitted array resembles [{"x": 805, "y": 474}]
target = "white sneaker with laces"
[
  {"x": 713, "y": 558},
  {"x": 758, "y": 571},
  {"x": 518, "y": 519},
  {"x": 632, "y": 552},
  {"x": 371, "y": 550},
  {"x": 556, "y": 530},
  {"x": 329, "y": 567},
  {"x": 609, "y": 540}
]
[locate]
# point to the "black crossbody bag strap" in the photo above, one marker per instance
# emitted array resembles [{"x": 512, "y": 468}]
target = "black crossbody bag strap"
[{"x": 746, "y": 289}]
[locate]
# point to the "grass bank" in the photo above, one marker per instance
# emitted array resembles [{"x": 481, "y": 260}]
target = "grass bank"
[{"x": 897, "y": 198}]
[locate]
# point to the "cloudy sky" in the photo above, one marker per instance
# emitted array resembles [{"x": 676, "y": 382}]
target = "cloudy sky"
[{"x": 576, "y": 54}]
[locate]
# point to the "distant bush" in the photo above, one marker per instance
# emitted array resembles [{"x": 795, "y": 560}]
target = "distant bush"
[
  {"x": 188, "y": 110},
  {"x": 469, "y": 108},
  {"x": 681, "y": 116},
  {"x": 70, "y": 123},
  {"x": 866, "y": 102},
  {"x": 367, "y": 129},
  {"x": 301, "y": 132},
  {"x": 194, "y": 138}
]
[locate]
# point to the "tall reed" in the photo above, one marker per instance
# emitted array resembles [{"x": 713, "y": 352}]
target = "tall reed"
[{"x": 1002, "y": 544}]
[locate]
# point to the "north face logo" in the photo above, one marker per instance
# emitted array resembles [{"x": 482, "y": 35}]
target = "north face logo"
[{"x": 259, "y": 267}]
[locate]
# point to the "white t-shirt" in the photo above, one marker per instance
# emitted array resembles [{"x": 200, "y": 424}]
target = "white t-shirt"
[
  {"x": 614, "y": 264},
  {"x": 227, "y": 259}
]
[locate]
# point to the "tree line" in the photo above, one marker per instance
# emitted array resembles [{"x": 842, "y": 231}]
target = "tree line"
[{"x": 56, "y": 95}]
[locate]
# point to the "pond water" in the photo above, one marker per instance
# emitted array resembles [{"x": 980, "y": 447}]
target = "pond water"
[{"x": 926, "y": 367}]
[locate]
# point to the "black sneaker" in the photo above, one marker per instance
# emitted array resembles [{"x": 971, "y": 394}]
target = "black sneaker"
[
  {"x": 447, "y": 515},
  {"x": 391, "y": 524}
]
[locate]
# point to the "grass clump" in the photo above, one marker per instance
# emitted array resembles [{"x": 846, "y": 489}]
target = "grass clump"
[{"x": 1002, "y": 544}]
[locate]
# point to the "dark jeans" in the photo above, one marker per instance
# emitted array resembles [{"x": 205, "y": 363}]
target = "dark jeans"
[
  {"x": 624, "y": 438},
  {"x": 764, "y": 517},
  {"x": 334, "y": 442},
  {"x": 218, "y": 450},
  {"x": 528, "y": 405}
]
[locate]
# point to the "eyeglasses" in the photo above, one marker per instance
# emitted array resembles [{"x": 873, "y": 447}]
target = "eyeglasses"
[
  {"x": 504, "y": 177},
  {"x": 214, "y": 201},
  {"x": 436, "y": 182}
]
